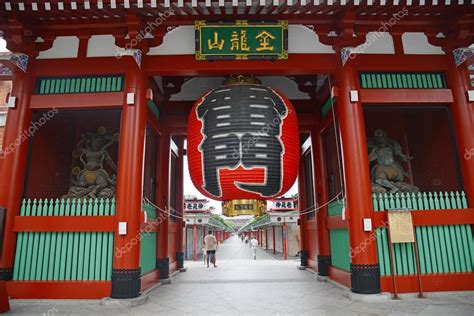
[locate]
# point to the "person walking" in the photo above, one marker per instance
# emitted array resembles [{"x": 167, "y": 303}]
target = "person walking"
[
  {"x": 253, "y": 245},
  {"x": 210, "y": 243}
]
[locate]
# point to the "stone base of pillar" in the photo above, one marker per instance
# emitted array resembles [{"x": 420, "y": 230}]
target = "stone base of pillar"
[
  {"x": 125, "y": 283},
  {"x": 365, "y": 278},
  {"x": 324, "y": 262},
  {"x": 6, "y": 274},
  {"x": 304, "y": 258},
  {"x": 163, "y": 265},
  {"x": 180, "y": 260}
]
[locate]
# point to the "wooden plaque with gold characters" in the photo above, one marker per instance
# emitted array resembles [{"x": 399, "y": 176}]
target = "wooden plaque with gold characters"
[
  {"x": 400, "y": 227},
  {"x": 241, "y": 39}
]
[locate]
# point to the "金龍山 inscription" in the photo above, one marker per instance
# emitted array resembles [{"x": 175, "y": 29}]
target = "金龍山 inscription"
[{"x": 241, "y": 40}]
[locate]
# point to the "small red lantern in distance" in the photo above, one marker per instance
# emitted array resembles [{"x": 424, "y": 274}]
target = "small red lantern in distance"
[{"x": 243, "y": 143}]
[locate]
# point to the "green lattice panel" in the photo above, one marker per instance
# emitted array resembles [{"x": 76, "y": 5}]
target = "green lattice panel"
[
  {"x": 89, "y": 84},
  {"x": 71, "y": 256},
  {"x": 148, "y": 244},
  {"x": 335, "y": 208},
  {"x": 340, "y": 251},
  {"x": 442, "y": 249},
  {"x": 378, "y": 80}
]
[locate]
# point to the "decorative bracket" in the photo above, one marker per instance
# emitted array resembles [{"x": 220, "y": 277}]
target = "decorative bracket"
[
  {"x": 462, "y": 54},
  {"x": 346, "y": 53},
  {"x": 18, "y": 59},
  {"x": 137, "y": 56},
  {"x": 135, "y": 53}
]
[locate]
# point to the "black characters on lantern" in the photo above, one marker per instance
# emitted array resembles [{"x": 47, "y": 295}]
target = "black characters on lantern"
[{"x": 242, "y": 127}]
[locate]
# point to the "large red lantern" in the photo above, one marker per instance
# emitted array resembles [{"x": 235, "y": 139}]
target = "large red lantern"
[{"x": 243, "y": 143}]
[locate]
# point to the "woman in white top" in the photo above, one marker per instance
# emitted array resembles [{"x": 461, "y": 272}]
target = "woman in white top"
[{"x": 253, "y": 245}]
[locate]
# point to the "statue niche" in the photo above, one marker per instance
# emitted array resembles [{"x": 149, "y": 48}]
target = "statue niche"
[
  {"x": 387, "y": 174},
  {"x": 89, "y": 177}
]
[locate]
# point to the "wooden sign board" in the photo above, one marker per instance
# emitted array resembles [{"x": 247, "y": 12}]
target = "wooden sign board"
[
  {"x": 241, "y": 39},
  {"x": 400, "y": 227}
]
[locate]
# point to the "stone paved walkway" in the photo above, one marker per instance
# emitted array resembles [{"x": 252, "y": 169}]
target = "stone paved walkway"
[{"x": 243, "y": 286}]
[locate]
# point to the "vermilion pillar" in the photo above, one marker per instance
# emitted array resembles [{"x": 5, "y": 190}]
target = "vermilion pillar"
[
  {"x": 126, "y": 265},
  {"x": 321, "y": 194},
  {"x": 163, "y": 261},
  {"x": 302, "y": 206},
  {"x": 186, "y": 240},
  {"x": 274, "y": 241},
  {"x": 266, "y": 238},
  {"x": 284, "y": 234},
  {"x": 463, "y": 116},
  {"x": 365, "y": 272},
  {"x": 194, "y": 242},
  {"x": 13, "y": 163},
  {"x": 180, "y": 203}
]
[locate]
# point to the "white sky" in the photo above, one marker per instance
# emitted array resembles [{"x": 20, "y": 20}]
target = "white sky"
[
  {"x": 3, "y": 45},
  {"x": 190, "y": 189}
]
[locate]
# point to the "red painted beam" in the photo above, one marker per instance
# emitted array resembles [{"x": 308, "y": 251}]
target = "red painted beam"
[
  {"x": 64, "y": 224},
  {"x": 400, "y": 63},
  {"x": 430, "y": 283},
  {"x": 81, "y": 66},
  {"x": 336, "y": 222},
  {"x": 59, "y": 289},
  {"x": 406, "y": 96},
  {"x": 187, "y": 65},
  {"x": 433, "y": 217},
  {"x": 77, "y": 100}
]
